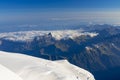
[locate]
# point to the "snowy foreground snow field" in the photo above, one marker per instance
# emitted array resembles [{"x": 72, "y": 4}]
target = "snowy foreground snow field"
[{"x": 22, "y": 67}]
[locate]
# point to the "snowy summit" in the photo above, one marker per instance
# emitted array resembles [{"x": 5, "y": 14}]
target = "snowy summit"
[{"x": 22, "y": 67}]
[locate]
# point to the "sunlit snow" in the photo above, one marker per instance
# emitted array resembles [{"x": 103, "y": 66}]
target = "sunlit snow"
[
  {"x": 30, "y": 68},
  {"x": 58, "y": 35}
]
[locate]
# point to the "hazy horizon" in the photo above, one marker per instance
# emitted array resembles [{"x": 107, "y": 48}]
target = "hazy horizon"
[{"x": 59, "y": 12}]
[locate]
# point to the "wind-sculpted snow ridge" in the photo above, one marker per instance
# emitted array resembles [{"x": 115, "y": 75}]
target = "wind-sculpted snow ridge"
[
  {"x": 31, "y": 68},
  {"x": 58, "y": 35}
]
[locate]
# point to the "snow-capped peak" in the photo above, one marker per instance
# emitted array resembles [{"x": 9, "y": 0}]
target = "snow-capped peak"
[{"x": 31, "y": 68}]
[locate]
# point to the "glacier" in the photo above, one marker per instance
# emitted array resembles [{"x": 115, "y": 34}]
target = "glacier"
[{"x": 23, "y": 67}]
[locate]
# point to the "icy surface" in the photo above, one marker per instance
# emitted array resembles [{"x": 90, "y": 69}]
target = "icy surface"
[
  {"x": 31, "y": 68},
  {"x": 29, "y": 35}
]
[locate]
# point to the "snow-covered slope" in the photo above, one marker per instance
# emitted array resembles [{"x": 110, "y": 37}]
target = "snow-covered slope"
[
  {"x": 31, "y": 68},
  {"x": 29, "y": 35},
  {"x": 6, "y": 74}
]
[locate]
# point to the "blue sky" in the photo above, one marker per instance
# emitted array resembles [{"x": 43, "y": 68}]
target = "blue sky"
[
  {"x": 55, "y": 11},
  {"x": 59, "y": 4}
]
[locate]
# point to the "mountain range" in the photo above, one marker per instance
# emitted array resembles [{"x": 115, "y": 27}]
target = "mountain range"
[{"x": 95, "y": 47}]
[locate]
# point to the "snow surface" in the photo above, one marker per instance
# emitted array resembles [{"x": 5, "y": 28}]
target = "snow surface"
[
  {"x": 88, "y": 48},
  {"x": 25, "y": 67},
  {"x": 6, "y": 74},
  {"x": 58, "y": 35}
]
